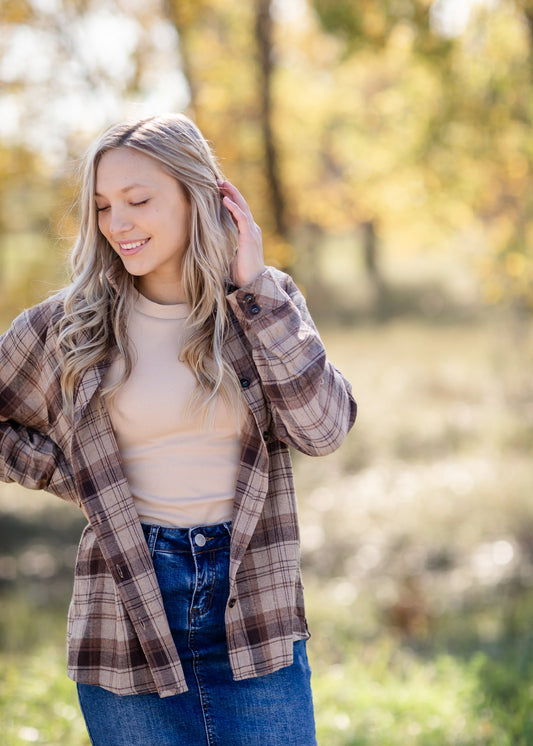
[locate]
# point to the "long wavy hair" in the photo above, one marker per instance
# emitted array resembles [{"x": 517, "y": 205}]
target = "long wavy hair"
[{"x": 100, "y": 296}]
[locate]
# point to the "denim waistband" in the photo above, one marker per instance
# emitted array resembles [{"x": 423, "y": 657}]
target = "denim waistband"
[{"x": 196, "y": 540}]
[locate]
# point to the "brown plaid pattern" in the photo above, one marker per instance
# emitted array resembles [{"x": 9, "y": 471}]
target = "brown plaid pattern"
[{"x": 118, "y": 634}]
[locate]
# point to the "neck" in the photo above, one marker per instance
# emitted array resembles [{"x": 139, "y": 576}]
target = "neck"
[{"x": 164, "y": 293}]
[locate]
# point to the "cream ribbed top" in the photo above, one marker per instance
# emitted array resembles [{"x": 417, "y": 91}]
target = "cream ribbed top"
[{"x": 181, "y": 471}]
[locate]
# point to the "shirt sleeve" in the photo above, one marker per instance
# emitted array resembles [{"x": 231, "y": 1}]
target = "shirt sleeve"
[
  {"x": 28, "y": 453},
  {"x": 311, "y": 402}
]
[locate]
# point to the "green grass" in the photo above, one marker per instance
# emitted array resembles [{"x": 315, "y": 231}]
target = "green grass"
[
  {"x": 38, "y": 702},
  {"x": 392, "y": 698},
  {"x": 417, "y": 553}
]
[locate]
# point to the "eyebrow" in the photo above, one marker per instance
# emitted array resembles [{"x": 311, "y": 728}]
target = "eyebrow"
[{"x": 127, "y": 188}]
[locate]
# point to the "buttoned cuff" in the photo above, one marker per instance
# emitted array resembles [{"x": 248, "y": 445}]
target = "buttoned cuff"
[{"x": 258, "y": 298}]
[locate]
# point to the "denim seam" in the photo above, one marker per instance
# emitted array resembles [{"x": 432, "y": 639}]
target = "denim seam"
[
  {"x": 152, "y": 539},
  {"x": 190, "y": 639}
]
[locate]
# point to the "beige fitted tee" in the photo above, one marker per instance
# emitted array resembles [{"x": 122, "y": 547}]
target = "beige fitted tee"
[{"x": 181, "y": 469}]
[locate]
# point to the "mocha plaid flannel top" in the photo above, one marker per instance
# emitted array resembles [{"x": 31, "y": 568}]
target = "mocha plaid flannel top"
[{"x": 118, "y": 634}]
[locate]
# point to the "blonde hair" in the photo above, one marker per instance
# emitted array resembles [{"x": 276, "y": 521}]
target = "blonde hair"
[{"x": 98, "y": 300}]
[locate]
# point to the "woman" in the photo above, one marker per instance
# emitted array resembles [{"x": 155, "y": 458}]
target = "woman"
[{"x": 161, "y": 391}]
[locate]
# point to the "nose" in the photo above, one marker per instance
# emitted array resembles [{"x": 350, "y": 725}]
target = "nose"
[{"x": 119, "y": 222}]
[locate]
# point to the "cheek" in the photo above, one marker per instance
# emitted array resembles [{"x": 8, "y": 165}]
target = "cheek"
[
  {"x": 184, "y": 224},
  {"x": 103, "y": 224}
]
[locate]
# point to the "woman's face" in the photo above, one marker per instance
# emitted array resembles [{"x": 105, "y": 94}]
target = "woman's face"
[{"x": 144, "y": 214}]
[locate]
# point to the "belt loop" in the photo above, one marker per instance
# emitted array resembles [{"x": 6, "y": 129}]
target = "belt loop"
[{"x": 152, "y": 539}]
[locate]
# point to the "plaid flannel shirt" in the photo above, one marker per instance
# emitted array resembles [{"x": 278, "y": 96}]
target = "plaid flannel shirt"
[{"x": 118, "y": 634}]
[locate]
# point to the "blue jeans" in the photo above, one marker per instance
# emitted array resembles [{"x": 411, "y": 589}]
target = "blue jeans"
[{"x": 272, "y": 710}]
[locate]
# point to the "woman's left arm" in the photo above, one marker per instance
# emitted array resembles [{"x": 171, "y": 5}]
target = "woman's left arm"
[{"x": 311, "y": 402}]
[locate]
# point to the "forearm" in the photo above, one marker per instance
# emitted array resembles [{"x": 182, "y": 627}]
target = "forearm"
[
  {"x": 311, "y": 402},
  {"x": 33, "y": 460}
]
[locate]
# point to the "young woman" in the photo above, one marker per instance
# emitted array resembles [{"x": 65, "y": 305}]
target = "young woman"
[{"x": 161, "y": 391}]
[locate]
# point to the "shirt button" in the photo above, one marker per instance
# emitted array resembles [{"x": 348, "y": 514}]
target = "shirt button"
[
  {"x": 245, "y": 382},
  {"x": 265, "y": 435},
  {"x": 200, "y": 540},
  {"x": 249, "y": 298},
  {"x": 255, "y": 309},
  {"x": 232, "y": 602}
]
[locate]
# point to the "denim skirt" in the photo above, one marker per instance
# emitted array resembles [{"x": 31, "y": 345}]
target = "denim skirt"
[{"x": 272, "y": 710}]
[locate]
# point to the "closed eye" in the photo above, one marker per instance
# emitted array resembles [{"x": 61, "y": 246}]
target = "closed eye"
[{"x": 133, "y": 204}]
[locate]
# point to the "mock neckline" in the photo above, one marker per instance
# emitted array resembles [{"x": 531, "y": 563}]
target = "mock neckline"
[{"x": 160, "y": 310}]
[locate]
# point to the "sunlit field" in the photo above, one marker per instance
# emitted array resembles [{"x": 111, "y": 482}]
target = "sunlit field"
[
  {"x": 385, "y": 149},
  {"x": 417, "y": 553},
  {"x": 418, "y": 541}
]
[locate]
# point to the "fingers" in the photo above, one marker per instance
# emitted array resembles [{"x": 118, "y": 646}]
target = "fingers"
[
  {"x": 239, "y": 210},
  {"x": 228, "y": 190},
  {"x": 237, "y": 215},
  {"x": 248, "y": 262}
]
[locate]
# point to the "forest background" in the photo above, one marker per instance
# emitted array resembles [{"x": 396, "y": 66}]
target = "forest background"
[{"x": 386, "y": 149}]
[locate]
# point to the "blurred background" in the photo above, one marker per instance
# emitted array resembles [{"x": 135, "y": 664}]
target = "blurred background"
[{"x": 386, "y": 149}]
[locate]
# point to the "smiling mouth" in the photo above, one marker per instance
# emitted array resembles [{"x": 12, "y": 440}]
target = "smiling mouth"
[{"x": 131, "y": 247}]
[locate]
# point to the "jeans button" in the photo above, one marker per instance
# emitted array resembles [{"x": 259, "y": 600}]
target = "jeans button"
[{"x": 200, "y": 540}]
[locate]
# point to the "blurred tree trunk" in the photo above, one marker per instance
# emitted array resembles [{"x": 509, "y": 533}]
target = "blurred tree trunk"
[
  {"x": 528, "y": 15},
  {"x": 371, "y": 252},
  {"x": 175, "y": 14},
  {"x": 263, "y": 32}
]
